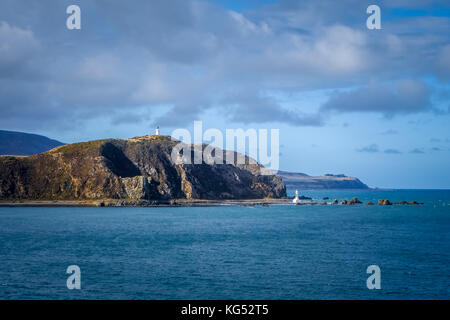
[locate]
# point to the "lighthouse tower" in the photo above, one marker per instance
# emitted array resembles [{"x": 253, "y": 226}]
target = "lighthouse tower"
[
  {"x": 157, "y": 131},
  {"x": 296, "y": 200}
]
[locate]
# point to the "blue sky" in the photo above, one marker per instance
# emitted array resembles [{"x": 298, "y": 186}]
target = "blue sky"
[
  {"x": 242, "y": 5},
  {"x": 368, "y": 103}
]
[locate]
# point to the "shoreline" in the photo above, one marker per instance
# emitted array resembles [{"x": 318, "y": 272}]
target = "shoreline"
[
  {"x": 115, "y": 203},
  {"x": 111, "y": 203}
]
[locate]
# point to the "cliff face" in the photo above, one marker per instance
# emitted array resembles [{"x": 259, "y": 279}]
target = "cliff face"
[
  {"x": 138, "y": 168},
  {"x": 303, "y": 181}
]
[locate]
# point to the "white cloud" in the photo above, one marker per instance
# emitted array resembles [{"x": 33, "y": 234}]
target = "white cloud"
[
  {"x": 194, "y": 56},
  {"x": 443, "y": 62},
  {"x": 17, "y": 47},
  {"x": 402, "y": 96}
]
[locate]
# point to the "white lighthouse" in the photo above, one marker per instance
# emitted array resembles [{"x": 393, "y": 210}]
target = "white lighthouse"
[
  {"x": 157, "y": 131},
  {"x": 296, "y": 200}
]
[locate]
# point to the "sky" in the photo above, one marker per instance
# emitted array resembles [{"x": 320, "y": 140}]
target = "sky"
[{"x": 374, "y": 104}]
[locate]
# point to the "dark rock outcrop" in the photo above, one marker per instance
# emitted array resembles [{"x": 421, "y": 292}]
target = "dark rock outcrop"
[
  {"x": 384, "y": 202},
  {"x": 133, "y": 169}
]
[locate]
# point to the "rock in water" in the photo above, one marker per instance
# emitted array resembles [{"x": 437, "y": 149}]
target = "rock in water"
[
  {"x": 133, "y": 169},
  {"x": 384, "y": 202}
]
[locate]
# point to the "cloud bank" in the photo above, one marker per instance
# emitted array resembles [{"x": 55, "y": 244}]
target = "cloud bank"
[{"x": 192, "y": 57}]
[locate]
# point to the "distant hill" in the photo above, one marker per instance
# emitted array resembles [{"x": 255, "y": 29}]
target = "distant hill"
[
  {"x": 24, "y": 144},
  {"x": 327, "y": 181}
]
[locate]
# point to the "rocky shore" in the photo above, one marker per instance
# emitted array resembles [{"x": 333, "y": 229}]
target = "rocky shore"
[
  {"x": 195, "y": 203},
  {"x": 145, "y": 203}
]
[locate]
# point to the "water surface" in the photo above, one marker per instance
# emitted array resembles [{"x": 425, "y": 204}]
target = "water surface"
[{"x": 276, "y": 252}]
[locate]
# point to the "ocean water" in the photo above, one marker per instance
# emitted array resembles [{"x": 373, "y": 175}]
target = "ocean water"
[{"x": 276, "y": 252}]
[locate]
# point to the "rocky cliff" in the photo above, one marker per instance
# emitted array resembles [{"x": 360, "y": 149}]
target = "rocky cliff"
[
  {"x": 329, "y": 181},
  {"x": 136, "y": 169}
]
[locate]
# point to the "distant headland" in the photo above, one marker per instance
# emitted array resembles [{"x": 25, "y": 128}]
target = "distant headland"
[
  {"x": 295, "y": 180},
  {"x": 25, "y": 144}
]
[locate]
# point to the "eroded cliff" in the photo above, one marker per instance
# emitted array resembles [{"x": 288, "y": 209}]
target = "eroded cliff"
[{"x": 140, "y": 168}]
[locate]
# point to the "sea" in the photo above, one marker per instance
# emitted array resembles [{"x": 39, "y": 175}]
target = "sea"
[{"x": 232, "y": 252}]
